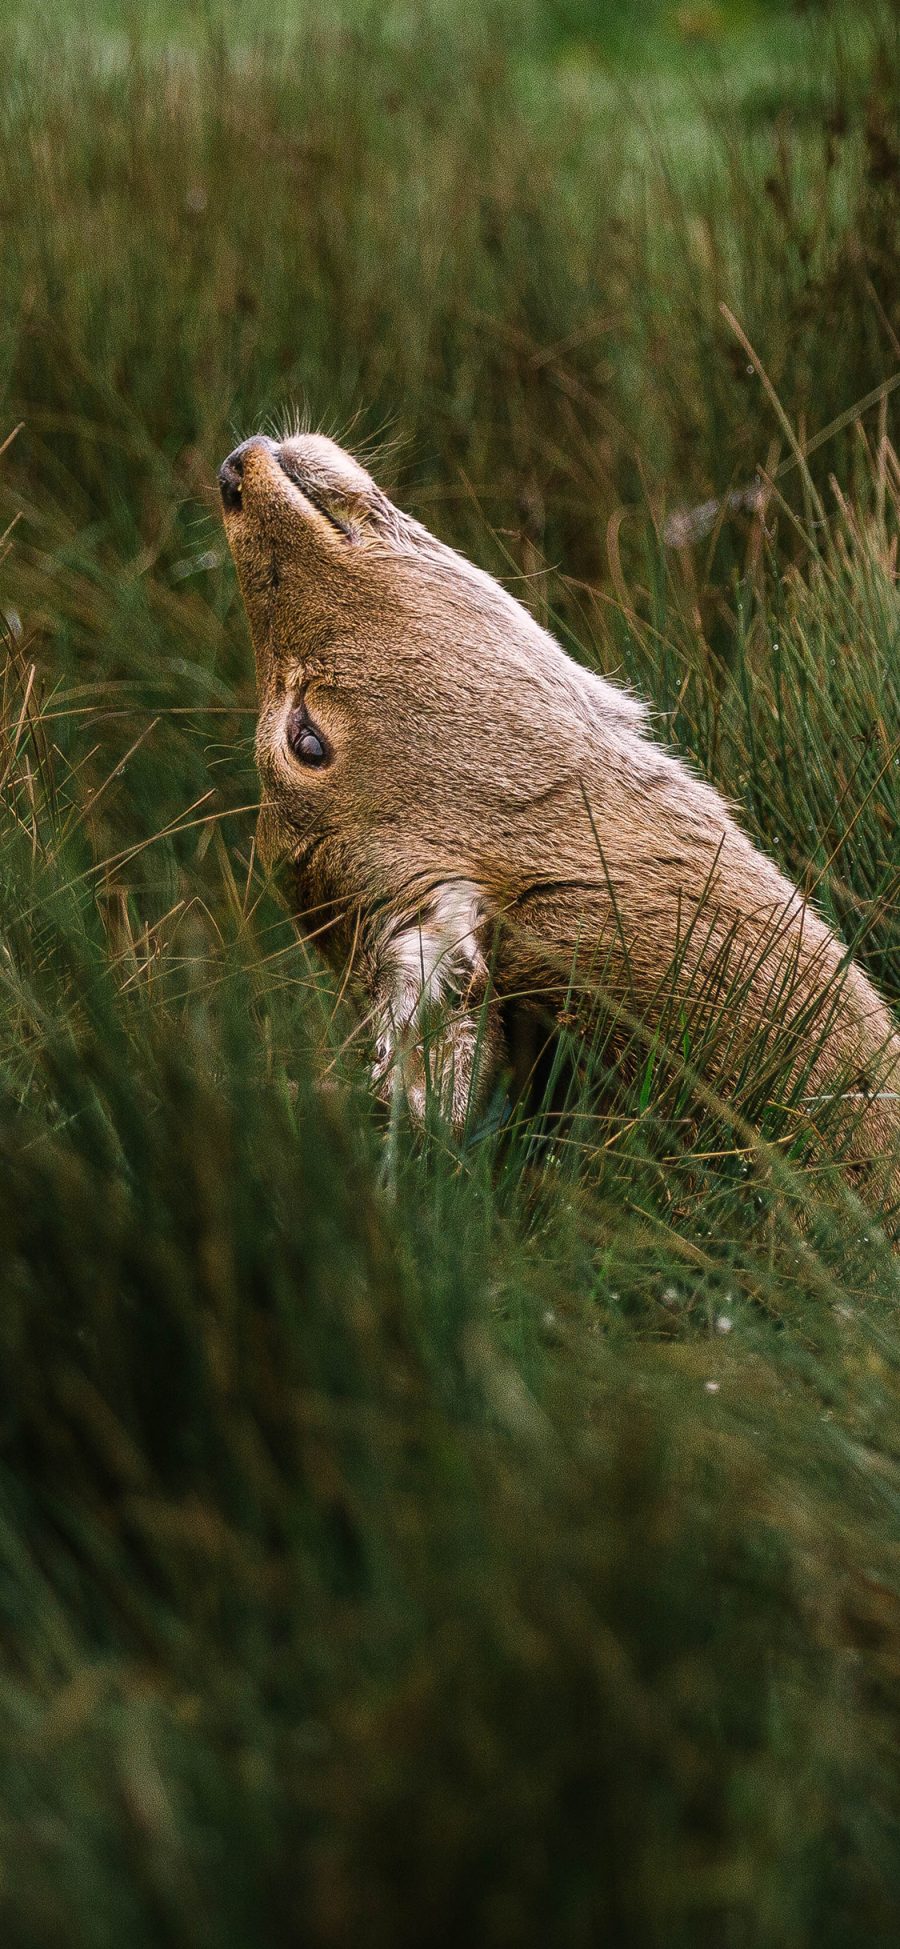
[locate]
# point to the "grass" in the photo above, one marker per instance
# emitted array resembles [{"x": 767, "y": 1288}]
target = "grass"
[{"x": 428, "y": 1543}]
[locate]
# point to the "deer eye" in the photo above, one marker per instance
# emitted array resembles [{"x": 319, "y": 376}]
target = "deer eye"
[{"x": 308, "y": 744}]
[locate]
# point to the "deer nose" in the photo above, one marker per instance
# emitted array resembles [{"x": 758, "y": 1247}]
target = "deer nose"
[{"x": 231, "y": 472}]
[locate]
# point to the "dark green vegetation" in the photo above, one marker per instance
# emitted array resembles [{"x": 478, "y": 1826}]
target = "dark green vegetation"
[{"x": 400, "y": 1546}]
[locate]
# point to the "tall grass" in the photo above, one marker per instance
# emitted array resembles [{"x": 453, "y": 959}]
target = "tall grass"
[{"x": 421, "y": 1542}]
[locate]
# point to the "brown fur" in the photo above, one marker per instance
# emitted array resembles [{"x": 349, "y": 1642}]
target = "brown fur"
[{"x": 493, "y": 815}]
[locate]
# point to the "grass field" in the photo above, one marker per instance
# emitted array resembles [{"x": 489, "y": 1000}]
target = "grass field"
[{"x": 415, "y": 1543}]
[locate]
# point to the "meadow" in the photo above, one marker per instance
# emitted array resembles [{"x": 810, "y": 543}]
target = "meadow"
[{"x": 416, "y": 1542}]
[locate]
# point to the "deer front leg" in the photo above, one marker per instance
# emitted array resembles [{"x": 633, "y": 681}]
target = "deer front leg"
[{"x": 438, "y": 1038}]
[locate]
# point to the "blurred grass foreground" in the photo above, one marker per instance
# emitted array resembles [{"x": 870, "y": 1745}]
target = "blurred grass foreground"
[{"x": 422, "y": 1544}]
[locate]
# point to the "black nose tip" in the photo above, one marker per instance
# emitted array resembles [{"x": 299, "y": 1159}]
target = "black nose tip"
[{"x": 231, "y": 472}]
